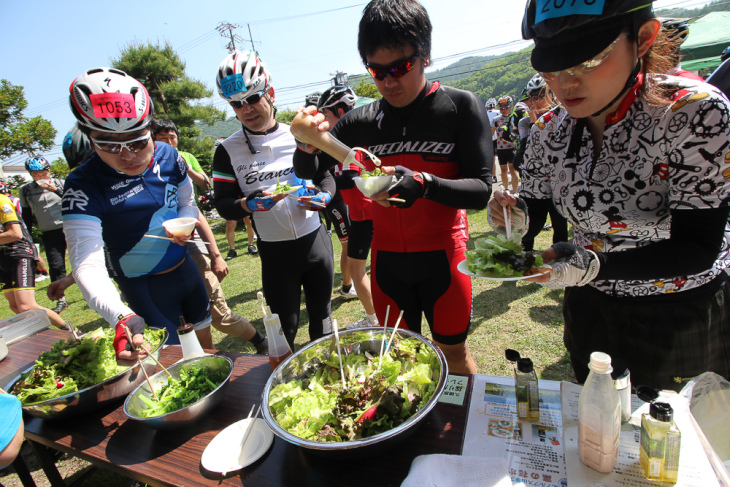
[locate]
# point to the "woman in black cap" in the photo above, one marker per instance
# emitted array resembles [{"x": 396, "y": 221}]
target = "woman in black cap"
[{"x": 639, "y": 162}]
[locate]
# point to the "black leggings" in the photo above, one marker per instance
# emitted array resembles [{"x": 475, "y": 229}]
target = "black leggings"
[
  {"x": 289, "y": 266},
  {"x": 538, "y": 211},
  {"x": 55, "y": 243}
]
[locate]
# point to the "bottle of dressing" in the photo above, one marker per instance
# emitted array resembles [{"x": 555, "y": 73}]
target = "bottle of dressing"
[{"x": 599, "y": 416}]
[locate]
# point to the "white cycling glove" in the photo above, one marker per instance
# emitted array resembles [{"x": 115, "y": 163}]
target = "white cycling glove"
[{"x": 574, "y": 266}]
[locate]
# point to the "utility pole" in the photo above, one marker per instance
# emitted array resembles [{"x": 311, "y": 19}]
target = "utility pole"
[{"x": 225, "y": 29}]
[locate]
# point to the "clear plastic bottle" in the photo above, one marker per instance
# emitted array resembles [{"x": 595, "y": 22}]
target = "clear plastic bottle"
[
  {"x": 599, "y": 416},
  {"x": 279, "y": 348}
]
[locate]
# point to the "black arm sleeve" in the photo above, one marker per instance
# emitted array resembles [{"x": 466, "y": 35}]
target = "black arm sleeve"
[
  {"x": 307, "y": 166},
  {"x": 475, "y": 153},
  {"x": 227, "y": 196},
  {"x": 325, "y": 181},
  {"x": 693, "y": 246}
]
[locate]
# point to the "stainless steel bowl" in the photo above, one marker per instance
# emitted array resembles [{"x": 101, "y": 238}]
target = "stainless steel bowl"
[
  {"x": 351, "y": 341},
  {"x": 93, "y": 397},
  {"x": 133, "y": 405}
]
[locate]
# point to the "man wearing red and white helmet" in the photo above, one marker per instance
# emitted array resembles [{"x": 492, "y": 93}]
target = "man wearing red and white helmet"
[
  {"x": 295, "y": 250},
  {"x": 114, "y": 200}
]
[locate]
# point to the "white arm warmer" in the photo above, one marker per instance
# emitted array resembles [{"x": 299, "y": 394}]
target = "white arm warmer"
[{"x": 86, "y": 252}]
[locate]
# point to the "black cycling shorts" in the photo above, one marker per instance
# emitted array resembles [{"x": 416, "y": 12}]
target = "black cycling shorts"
[
  {"x": 17, "y": 273},
  {"x": 361, "y": 237},
  {"x": 505, "y": 156}
]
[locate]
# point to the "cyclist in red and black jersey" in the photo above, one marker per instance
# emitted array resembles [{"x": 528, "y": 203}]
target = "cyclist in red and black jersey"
[{"x": 433, "y": 138}]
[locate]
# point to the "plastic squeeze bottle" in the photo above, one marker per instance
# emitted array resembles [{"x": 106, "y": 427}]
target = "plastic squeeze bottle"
[
  {"x": 189, "y": 341},
  {"x": 599, "y": 416},
  {"x": 279, "y": 348}
]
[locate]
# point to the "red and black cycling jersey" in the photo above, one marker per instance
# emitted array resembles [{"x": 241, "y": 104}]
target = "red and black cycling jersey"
[{"x": 441, "y": 133}]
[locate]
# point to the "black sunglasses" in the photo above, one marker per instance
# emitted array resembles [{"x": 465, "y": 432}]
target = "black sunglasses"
[
  {"x": 398, "y": 70},
  {"x": 250, "y": 100}
]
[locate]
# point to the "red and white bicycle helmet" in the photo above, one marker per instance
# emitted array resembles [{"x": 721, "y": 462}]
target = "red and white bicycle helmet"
[
  {"x": 242, "y": 74},
  {"x": 109, "y": 100}
]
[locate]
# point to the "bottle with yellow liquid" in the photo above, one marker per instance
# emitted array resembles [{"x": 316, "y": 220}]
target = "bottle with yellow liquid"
[
  {"x": 660, "y": 440},
  {"x": 526, "y": 387}
]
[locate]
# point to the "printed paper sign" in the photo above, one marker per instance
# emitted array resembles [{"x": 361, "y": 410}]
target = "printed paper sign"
[
  {"x": 455, "y": 390},
  {"x": 113, "y": 105}
]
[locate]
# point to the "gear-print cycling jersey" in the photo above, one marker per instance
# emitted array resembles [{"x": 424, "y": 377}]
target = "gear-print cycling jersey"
[{"x": 653, "y": 160}]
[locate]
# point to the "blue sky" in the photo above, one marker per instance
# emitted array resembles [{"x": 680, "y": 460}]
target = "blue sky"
[{"x": 47, "y": 44}]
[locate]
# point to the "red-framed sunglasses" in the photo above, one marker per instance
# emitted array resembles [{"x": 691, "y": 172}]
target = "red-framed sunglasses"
[{"x": 398, "y": 70}]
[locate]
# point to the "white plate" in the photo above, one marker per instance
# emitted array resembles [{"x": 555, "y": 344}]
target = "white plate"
[
  {"x": 464, "y": 270},
  {"x": 223, "y": 454},
  {"x": 292, "y": 190}
]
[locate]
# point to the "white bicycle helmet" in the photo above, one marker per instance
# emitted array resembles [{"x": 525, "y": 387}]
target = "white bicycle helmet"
[
  {"x": 312, "y": 99},
  {"x": 336, "y": 95},
  {"x": 536, "y": 83},
  {"x": 109, "y": 100},
  {"x": 491, "y": 103},
  {"x": 242, "y": 74}
]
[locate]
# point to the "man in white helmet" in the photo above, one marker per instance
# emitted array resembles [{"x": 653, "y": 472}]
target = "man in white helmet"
[
  {"x": 116, "y": 198},
  {"x": 295, "y": 250}
]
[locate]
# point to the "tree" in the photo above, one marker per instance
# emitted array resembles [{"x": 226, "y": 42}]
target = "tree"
[
  {"x": 367, "y": 89},
  {"x": 285, "y": 116},
  {"x": 162, "y": 71},
  {"x": 17, "y": 132},
  {"x": 15, "y": 181},
  {"x": 59, "y": 168}
]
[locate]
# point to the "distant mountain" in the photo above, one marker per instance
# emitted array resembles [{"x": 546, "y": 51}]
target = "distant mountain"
[{"x": 716, "y": 6}]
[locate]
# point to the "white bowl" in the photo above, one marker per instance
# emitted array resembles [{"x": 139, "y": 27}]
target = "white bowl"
[
  {"x": 373, "y": 185},
  {"x": 180, "y": 227}
]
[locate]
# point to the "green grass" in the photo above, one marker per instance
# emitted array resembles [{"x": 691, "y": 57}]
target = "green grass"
[{"x": 520, "y": 315}]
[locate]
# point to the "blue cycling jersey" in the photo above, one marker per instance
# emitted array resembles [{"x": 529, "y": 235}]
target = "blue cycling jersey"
[{"x": 128, "y": 208}]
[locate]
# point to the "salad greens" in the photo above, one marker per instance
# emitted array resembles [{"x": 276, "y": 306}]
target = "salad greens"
[
  {"x": 281, "y": 188},
  {"x": 318, "y": 408},
  {"x": 374, "y": 173},
  {"x": 71, "y": 366},
  {"x": 195, "y": 383},
  {"x": 500, "y": 256}
]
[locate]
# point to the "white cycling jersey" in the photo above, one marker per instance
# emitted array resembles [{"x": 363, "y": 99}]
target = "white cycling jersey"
[{"x": 261, "y": 171}]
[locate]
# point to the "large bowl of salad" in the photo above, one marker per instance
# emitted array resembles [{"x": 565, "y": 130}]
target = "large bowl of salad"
[
  {"x": 75, "y": 378},
  {"x": 381, "y": 403},
  {"x": 193, "y": 389}
]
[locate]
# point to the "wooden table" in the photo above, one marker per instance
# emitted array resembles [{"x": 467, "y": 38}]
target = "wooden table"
[{"x": 110, "y": 440}]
